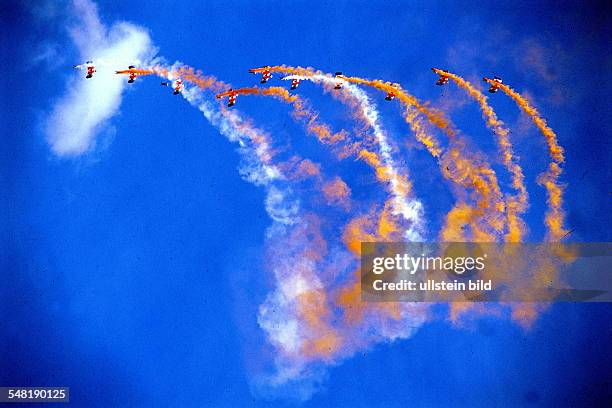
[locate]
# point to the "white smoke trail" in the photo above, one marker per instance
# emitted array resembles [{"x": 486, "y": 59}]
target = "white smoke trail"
[
  {"x": 410, "y": 209},
  {"x": 279, "y": 314},
  {"x": 255, "y": 166}
]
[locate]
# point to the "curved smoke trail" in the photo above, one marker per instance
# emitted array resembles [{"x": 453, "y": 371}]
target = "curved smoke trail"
[{"x": 555, "y": 217}]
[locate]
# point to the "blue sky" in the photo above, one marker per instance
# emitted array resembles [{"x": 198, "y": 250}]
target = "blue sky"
[{"x": 133, "y": 273}]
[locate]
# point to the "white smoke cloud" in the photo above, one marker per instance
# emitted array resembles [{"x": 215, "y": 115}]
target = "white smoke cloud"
[{"x": 84, "y": 110}]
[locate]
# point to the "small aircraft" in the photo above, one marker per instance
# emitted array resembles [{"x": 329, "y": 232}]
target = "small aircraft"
[
  {"x": 391, "y": 95},
  {"x": 133, "y": 72},
  {"x": 495, "y": 83},
  {"x": 177, "y": 85},
  {"x": 443, "y": 80},
  {"x": 232, "y": 94},
  {"x": 91, "y": 68},
  {"x": 266, "y": 74},
  {"x": 294, "y": 81},
  {"x": 339, "y": 83}
]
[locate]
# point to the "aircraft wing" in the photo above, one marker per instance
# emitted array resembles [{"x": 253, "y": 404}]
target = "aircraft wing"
[
  {"x": 224, "y": 94},
  {"x": 257, "y": 70},
  {"x": 134, "y": 71}
]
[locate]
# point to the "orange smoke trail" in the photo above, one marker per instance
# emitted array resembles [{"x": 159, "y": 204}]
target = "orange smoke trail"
[
  {"x": 344, "y": 97},
  {"x": 138, "y": 72},
  {"x": 334, "y": 191},
  {"x": 313, "y": 305},
  {"x": 384, "y": 173},
  {"x": 337, "y": 192},
  {"x": 304, "y": 113},
  {"x": 429, "y": 141},
  {"x": 555, "y": 216},
  {"x": 189, "y": 74},
  {"x": 315, "y": 312},
  {"x": 516, "y": 205},
  {"x": 298, "y": 169},
  {"x": 285, "y": 69}
]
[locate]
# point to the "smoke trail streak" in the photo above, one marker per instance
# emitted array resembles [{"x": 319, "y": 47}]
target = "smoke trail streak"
[
  {"x": 334, "y": 191},
  {"x": 135, "y": 71},
  {"x": 555, "y": 216},
  {"x": 516, "y": 205},
  {"x": 400, "y": 187}
]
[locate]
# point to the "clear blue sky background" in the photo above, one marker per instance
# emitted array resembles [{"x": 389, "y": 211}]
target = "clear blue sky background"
[{"x": 122, "y": 271}]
